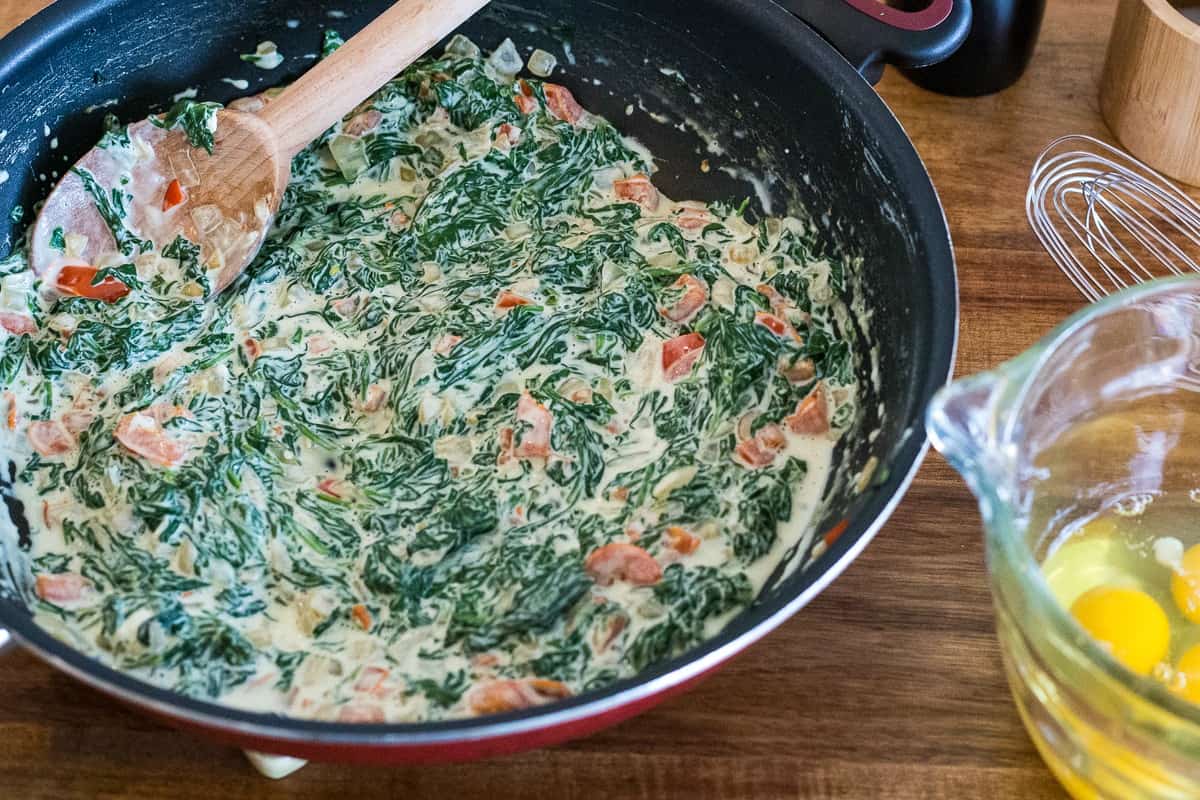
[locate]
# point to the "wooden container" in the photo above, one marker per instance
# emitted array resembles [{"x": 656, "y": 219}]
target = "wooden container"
[{"x": 1150, "y": 92}]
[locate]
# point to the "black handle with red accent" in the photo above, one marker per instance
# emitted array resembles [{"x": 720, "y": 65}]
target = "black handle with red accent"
[{"x": 870, "y": 34}]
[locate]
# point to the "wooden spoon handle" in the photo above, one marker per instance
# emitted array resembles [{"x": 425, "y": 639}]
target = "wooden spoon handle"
[{"x": 332, "y": 88}]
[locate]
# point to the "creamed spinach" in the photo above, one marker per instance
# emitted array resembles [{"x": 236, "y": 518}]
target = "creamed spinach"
[{"x": 488, "y": 422}]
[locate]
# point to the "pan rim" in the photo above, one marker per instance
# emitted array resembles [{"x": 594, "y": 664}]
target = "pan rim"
[{"x": 748, "y": 627}]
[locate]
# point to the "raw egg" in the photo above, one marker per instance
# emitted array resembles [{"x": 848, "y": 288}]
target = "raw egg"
[
  {"x": 1187, "y": 675},
  {"x": 1185, "y": 584},
  {"x": 1129, "y": 622}
]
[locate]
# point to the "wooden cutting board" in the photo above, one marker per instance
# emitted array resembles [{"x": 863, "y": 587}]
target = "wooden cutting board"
[{"x": 888, "y": 686}]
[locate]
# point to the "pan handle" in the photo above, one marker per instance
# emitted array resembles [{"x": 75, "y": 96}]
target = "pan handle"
[{"x": 870, "y": 34}]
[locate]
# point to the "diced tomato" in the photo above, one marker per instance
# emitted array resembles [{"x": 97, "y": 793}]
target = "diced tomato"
[
  {"x": 535, "y": 438},
  {"x": 370, "y": 679},
  {"x": 619, "y": 561},
  {"x": 376, "y": 397},
  {"x": 562, "y": 103},
  {"x": 362, "y": 616},
  {"x": 507, "y": 299},
  {"x": 77, "y": 280},
  {"x": 485, "y": 660},
  {"x": 752, "y": 455},
  {"x": 525, "y": 103},
  {"x": 771, "y": 437},
  {"x": 252, "y": 349},
  {"x": 346, "y": 307},
  {"x": 76, "y": 422},
  {"x": 331, "y": 487},
  {"x": 548, "y": 688},
  {"x": 682, "y": 540},
  {"x": 50, "y": 438},
  {"x": 17, "y": 324},
  {"x": 778, "y": 301},
  {"x": 680, "y": 354},
  {"x": 361, "y": 713},
  {"x": 506, "y": 446},
  {"x": 693, "y": 294},
  {"x": 173, "y": 196},
  {"x": 812, "y": 414},
  {"x": 64, "y": 587},
  {"x": 759, "y": 451},
  {"x": 835, "y": 533},
  {"x": 319, "y": 344},
  {"x": 362, "y": 123},
  {"x": 142, "y": 434},
  {"x": 780, "y": 327},
  {"x": 639, "y": 189},
  {"x": 444, "y": 345},
  {"x": 507, "y": 135},
  {"x": 802, "y": 370},
  {"x": 691, "y": 219},
  {"x": 499, "y": 696}
]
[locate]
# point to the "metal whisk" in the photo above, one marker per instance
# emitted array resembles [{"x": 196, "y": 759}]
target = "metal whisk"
[{"x": 1107, "y": 219}]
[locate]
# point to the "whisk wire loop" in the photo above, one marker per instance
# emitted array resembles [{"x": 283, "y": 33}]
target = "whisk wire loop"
[{"x": 1107, "y": 219}]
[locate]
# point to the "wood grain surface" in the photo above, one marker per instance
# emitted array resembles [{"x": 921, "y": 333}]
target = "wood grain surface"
[{"x": 888, "y": 686}]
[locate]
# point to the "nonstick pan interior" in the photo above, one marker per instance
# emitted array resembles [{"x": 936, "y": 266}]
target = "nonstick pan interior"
[{"x": 739, "y": 84}]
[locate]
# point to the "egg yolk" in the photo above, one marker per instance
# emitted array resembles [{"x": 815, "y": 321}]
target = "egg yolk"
[
  {"x": 1187, "y": 675},
  {"x": 1185, "y": 584},
  {"x": 1129, "y": 621}
]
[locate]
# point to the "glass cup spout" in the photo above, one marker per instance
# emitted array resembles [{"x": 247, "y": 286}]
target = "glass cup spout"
[{"x": 968, "y": 421}]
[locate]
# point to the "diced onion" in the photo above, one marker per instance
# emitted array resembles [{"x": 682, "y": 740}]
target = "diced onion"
[
  {"x": 350, "y": 154},
  {"x": 226, "y": 237},
  {"x": 542, "y": 63},
  {"x": 675, "y": 479},
  {"x": 456, "y": 451},
  {"x": 207, "y": 218},
  {"x": 506, "y": 60},
  {"x": 14, "y": 291},
  {"x": 265, "y": 56},
  {"x": 462, "y": 47},
  {"x": 518, "y": 230},
  {"x": 76, "y": 243},
  {"x": 723, "y": 292},
  {"x": 745, "y": 424}
]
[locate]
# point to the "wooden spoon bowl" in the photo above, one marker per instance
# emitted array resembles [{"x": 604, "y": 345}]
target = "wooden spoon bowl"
[
  {"x": 229, "y": 197},
  {"x": 122, "y": 202}
]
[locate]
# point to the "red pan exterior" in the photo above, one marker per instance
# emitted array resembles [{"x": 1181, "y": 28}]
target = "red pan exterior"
[{"x": 462, "y": 750}]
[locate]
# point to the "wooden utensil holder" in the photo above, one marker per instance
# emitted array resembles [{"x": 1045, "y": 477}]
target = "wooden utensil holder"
[{"x": 1150, "y": 92}]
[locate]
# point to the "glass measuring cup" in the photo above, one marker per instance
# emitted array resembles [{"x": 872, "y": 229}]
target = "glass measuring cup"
[{"x": 1104, "y": 410}]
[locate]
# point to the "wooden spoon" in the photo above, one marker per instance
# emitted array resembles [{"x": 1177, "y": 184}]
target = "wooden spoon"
[{"x": 229, "y": 198}]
